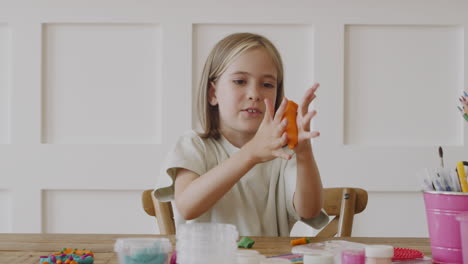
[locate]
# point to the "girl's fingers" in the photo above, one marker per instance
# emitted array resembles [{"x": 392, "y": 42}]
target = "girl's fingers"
[
  {"x": 281, "y": 128},
  {"x": 308, "y": 97},
  {"x": 306, "y": 120},
  {"x": 281, "y": 109},
  {"x": 269, "y": 110},
  {"x": 313, "y": 134},
  {"x": 281, "y": 154}
]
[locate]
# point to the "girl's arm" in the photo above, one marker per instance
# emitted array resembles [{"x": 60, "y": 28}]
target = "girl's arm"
[
  {"x": 194, "y": 194},
  {"x": 308, "y": 197}
]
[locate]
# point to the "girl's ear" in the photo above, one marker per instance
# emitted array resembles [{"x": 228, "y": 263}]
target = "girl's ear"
[{"x": 212, "y": 95}]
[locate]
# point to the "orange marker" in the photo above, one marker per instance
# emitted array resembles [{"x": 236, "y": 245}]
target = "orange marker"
[
  {"x": 291, "y": 129},
  {"x": 300, "y": 241}
]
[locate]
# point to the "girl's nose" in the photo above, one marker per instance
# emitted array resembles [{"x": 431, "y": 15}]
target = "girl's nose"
[{"x": 254, "y": 94}]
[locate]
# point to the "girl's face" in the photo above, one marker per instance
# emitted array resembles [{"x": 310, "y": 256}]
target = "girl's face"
[{"x": 240, "y": 92}]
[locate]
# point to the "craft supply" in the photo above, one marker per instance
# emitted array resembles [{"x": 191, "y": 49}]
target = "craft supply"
[
  {"x": 406, "y": 253},
  {"x": 318, "y": 259},
  {"x": 350, "y": 256},
  {"x": 462, "y": 175},
  {"x": 291, "y": 128},
  {"x": 69, "y": 256},
  {"x": 441, "y": 156},
  {"x": 200, "y": 243},
  {"x": 379, "y": 254},
  {"x": 245, "y": 242},
  {"x": 142, "y": 250},
  {"x": 300, "y": 241}
]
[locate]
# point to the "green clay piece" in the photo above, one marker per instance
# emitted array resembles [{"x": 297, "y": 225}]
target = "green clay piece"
[
  {"x": 465, "y": 116},
  {"x": 245, "y": 242}
]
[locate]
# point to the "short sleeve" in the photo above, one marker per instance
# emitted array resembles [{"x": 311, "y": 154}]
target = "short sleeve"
[
  {"x": 290, "y": 185},
  {"x": 188, "y": 153}
]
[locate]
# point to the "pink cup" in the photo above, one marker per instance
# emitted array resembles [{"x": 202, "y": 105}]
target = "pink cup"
[
  {"x": 444, "y": 230},
  {"x": 463, "y": 219}
]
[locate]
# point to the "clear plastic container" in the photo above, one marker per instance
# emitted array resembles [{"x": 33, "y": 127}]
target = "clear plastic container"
[
  {"x": 318, "y": 259},
  {"x": 245, "y": 256},
  {"x": 199, "y": 243},
  {"x": 143, "y": 250}
]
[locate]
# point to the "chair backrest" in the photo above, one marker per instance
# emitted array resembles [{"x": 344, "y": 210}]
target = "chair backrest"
[
  {"x": 161, "y": 210},
  {"x": 343, "y": 203}
]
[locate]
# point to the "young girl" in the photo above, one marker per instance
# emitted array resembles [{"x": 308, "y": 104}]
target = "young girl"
[{"x": 238, "y": 170}]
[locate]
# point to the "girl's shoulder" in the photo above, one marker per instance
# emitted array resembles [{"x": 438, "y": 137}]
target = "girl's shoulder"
[{"x": 193, "y": 138}]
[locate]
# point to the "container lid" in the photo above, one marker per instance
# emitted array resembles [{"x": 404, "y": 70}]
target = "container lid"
[
  {"x": 379, "y": 251},
  {"x": 275, "y": 261},
  {"x": 131, "y": 246},
  {"x": 318, "y": 259}
]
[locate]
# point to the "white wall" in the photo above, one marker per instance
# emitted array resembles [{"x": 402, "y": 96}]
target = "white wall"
[{"x": 93, "y": 93}]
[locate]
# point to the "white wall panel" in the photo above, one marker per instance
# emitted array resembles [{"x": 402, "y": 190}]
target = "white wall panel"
[
  {"x": 101, "y": 84},
  {"x": 402, "y": 82},
  {"x": 91, "y": 211},
  {"x": 4, "y": 83},
  {"x": 294, "y": 42},
  {"x": 392, "y": 214},
  {"x": 5, "y": 209}
]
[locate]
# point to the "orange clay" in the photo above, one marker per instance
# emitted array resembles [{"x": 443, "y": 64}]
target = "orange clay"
[
  {"x": 67, "y": 261},
  {"x": 59, "y": 261},
  {"x": 299, "y": 241},
  {"x": 291, "y": 129},
  {"x": 73, "y": 262}
]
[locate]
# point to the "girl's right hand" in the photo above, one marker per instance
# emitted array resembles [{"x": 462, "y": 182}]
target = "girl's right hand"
[{"x": 268, "y": 142}]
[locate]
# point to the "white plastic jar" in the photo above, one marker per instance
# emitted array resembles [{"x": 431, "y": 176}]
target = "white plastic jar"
[{"x": 379, "y": 254}]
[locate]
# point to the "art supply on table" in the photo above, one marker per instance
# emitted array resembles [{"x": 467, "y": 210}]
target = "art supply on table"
[
  {"x": 379, "y": 254},
  {"x": 461, "y": 171},
  {"x": 444, "y": 229},
  {"x": 293, "y": 258},
  {"x": 353, "y": 256},
  {"x": 406, "y": 253},
  {"x": 142, "y": 250},
  {"x": 464, "y": 108},
  {"x": 245, "y": 242},
  {"x": 331, "y": 247},
  {"x": 200, "y": 243},
  {"x": 69, "y": 256},
  {"x": 300, "y": 241}
]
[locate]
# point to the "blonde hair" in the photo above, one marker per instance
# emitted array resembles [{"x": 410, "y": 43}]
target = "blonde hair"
[{"x": 219, "y": 59}]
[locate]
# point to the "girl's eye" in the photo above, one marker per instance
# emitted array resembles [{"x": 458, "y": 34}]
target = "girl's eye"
[
  {"x": 269, "y": 85},
  {"x": 239, "y": 82}
]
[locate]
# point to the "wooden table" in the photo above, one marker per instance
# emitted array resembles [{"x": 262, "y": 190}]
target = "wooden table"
[{"x": 27, "y": 248}]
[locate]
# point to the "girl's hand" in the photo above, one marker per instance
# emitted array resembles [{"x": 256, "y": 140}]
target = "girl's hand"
[
  {"x": 303, "y": 121},
  {"x": 271, "y": 136}
]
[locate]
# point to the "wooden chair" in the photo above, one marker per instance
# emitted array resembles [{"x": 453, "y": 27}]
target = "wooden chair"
[
  {"x": 161, "y": 210},
  {"x": 343, "y": 203}
]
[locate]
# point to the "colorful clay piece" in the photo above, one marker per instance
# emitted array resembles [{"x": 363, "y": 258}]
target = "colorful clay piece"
[
  {"x": 291, "y": 128},
  {"x": 69, "y": 256},
  {"x": 245, "y": 242}
]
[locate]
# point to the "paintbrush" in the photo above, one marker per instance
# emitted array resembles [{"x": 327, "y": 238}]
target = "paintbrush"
[{"x": 441, "y": 156}]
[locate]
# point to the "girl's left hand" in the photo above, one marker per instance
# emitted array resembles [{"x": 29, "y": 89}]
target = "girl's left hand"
[{"x": 303, "y": 120}]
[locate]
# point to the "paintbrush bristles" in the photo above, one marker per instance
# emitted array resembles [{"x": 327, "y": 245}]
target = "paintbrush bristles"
[{"x": 441, "y": 156}]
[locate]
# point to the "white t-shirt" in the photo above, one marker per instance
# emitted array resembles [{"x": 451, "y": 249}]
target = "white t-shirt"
[{"x": 260, "y": 204}]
